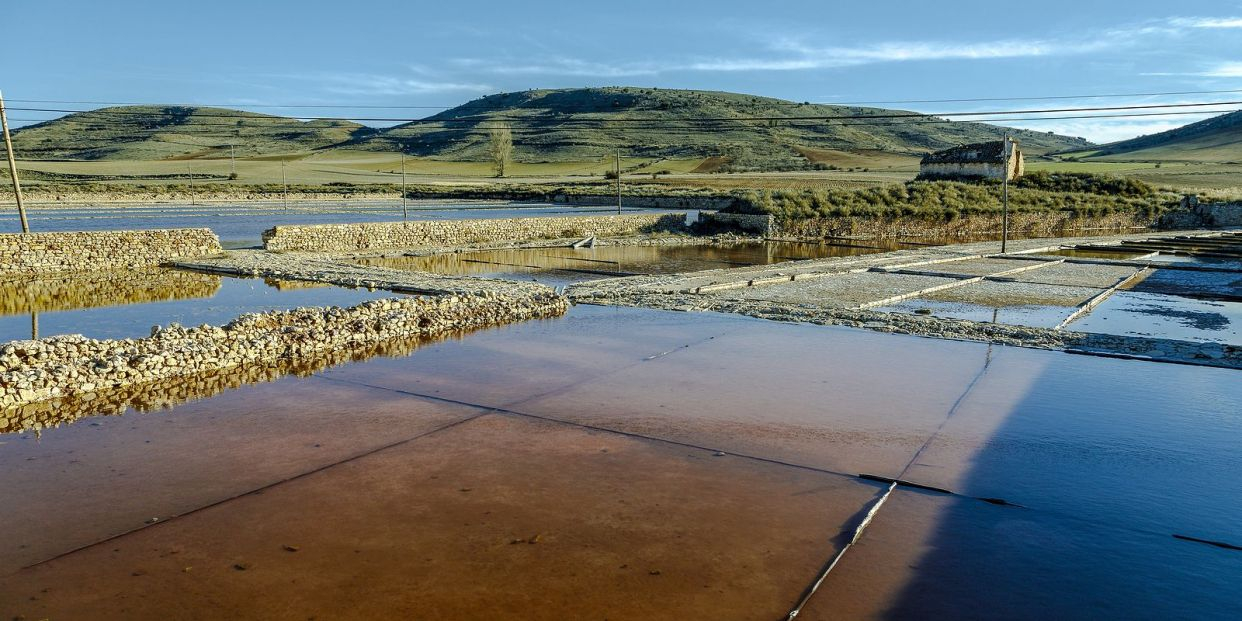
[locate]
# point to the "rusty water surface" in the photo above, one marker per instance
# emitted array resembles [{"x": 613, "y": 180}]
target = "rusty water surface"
[{"x": 636, "y": 464}]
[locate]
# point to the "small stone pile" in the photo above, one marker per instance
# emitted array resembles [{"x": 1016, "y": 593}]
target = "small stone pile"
[{"x": 67, "y": 366}]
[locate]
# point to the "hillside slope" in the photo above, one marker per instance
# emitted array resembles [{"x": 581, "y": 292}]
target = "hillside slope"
[
  {"x": 588, "y": 123},
  {"x": 162, "y": 132},
  {"x": 1218, "y": 139}
]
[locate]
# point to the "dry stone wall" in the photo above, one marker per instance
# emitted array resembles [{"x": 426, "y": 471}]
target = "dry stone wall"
[
  {"x": 75, "y": 366},
  {"x": 47, "y": 253},
  {"x": 442, "y": 233}
]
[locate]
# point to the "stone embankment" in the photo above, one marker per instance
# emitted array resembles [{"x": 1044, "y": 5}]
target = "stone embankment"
[
  {"x": 46, "y": 253},
  {"x": 447, "y": 233},
  {"x": 75, "y": 366}
]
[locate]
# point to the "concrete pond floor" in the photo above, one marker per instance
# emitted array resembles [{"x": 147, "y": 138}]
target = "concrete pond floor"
[{"x": 627, "y": 463}]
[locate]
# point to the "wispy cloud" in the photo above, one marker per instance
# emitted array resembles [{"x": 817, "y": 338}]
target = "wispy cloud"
[
  {"x": 1225, "y": 70},
  {"x": 369, "y": 84},
  {"x": 795, "y": 55},
  {"x": 560, "y": 65},
  {"x": 1208, "y": 22}
]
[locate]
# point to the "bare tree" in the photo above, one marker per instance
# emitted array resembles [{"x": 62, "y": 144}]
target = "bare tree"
[{"x": 501, "y": 148}]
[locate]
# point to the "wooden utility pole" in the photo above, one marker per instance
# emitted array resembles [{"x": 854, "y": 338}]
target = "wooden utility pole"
[
  {"x": 1005, "y": 196},
  {"x": 618, "y": 183},
  {"x": 190, "y": 170},
  {"x": 285, "y": 182},
  {"x": 405, "y": 213},
  {"x": 232, "y": 162},
  {"x": 8, "y": 147}
]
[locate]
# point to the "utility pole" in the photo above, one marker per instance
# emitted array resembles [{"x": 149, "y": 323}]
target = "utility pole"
[
  {"x": 17, "y": 186},
  {"x": 1005, "y": 196},
  {"x": 232, "y": 162},
  {"x": 618, "y": 183},
  {"x": 190, "y": 169},
  {"x": 285, "y": 182},
  {"x": 405, "y": 213}
]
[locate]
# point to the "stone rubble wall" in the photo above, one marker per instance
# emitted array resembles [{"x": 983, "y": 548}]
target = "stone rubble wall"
[
  {"x": 75, "y": 366},
  {"x": 424, "y": 233},
  {"x": 763, "y": 225},
  {"x": 1194, "y": 215},
  {"x": 46, "y": 253},
  {"x": 646, "y": 202}
]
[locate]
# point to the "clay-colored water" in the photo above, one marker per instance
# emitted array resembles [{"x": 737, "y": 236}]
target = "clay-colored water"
[{"x": 631, "y": 464}]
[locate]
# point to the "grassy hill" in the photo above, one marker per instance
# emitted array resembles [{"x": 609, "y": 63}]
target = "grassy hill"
[
  {"x": 167, "y": 132},
  {"x": 1218, "y": 139},
  {"x": 592, "y": 123}
]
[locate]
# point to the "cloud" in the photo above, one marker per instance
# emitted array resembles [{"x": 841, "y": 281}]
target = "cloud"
[
  {"x": 1208, "y": 22},
  {"x": 798, "y": 56},
  {"x": 1225, "y": 70},
  {"x": 1103, "y": 131},
  {"x": 368, "y": 84},
  {"x": 560, "y": 66}
]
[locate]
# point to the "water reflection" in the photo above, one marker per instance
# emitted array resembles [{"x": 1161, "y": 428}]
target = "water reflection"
[
  {"x": 564, "y": 265},
  {"x": 114, "y": 304},
  {"x": 170, "y": 392}
]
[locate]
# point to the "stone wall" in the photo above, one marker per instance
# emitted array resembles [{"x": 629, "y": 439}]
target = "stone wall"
[
  {"x": 75, "y": 366},
  {"x": 45, "y": 253},
  {"x": 1196, "y": 215},
  {"x": 448, "y": 233},
  {"x": 763, "y": 225}
]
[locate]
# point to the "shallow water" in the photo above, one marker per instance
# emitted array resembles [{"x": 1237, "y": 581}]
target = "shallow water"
[
  {"x": 560, "y": 266},
  {"x": 126, "y": 305},
  {"x": 634, "y": 463},
  {"x": 1166, "y": 316},
  {"x": 1034, "y": 315},
  {"x": 241, "y": 225}
]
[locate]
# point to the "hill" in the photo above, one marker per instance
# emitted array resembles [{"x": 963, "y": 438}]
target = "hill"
[
  {"x": 165, "y": 132},
  {"x": 590, "y": 123},
  {"x": 1218, "y": 139}
]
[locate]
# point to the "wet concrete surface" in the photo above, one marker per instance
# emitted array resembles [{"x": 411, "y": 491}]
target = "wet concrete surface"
[
  {"x": 842, "y": 290},
  {"x": 931, "y": 556},
  {"x": 666, "y": 465},
  {"x": 1039, "y": 316},
  {"x": 482, "y": 520}
]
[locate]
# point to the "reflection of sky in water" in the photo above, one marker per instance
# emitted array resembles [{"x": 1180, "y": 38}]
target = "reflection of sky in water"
[
  {"x": 134, "y": 316},
  {"x": 1165, "y": 316}
]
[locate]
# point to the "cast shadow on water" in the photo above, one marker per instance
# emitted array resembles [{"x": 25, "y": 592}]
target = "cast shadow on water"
[{"x": 1106, "y": 485}]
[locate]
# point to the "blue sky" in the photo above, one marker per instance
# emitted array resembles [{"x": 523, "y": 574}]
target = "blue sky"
[{"x": 248, "y": 54}]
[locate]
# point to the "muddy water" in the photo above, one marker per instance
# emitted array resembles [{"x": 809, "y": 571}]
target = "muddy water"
[
  {"x": 635, "y": 464},
  {"x": 127, "y": 304},
  {"x": 560, "y": 266}
]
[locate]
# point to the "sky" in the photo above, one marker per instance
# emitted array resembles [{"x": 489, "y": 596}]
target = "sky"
[{"x": 350, "y": 56}]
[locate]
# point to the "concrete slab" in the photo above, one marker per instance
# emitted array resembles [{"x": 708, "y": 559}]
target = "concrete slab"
[
  {"x": 930, "y": 556},
  {"x": 1001, "y": 294},
  {"x": 101, "y": 477},
  {"x": 845, "y": 400},
  {"x": 497, "y": 518},
  {"x": 841, "y": 290}
]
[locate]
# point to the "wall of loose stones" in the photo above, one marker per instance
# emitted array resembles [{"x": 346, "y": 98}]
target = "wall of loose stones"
[
  {"x": 48, "y": 253},
  {"x": 447, "y": 233}
]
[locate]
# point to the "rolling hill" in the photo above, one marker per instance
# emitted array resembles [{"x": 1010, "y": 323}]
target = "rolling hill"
[
  {"x": 168, "y": 132},
  {"x": 728, "y": 131},
  {"x": 589, "y": 123},
  {"x": 1218, "y": 139}
]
